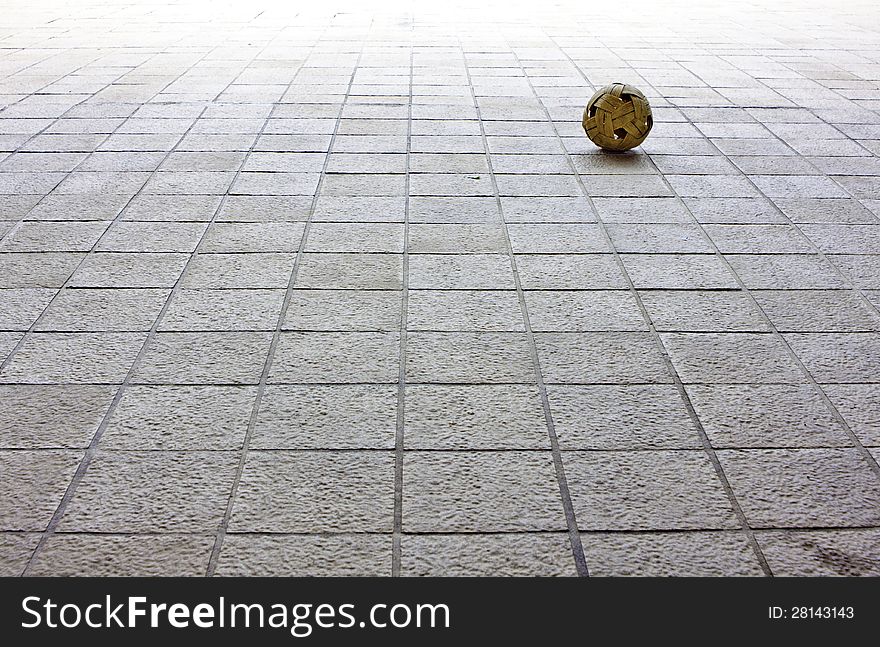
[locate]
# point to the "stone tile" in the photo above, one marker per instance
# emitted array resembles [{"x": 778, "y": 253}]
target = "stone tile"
[
  {"x": 16, "y": 207},
  {"x": 54, "y": 237},
  {"x": 223, "y": 310},
  {"x": 584, "y": 311},
  {"x": 15, "y": 551},
  {"x": 96, "y": 310},
  {"x": 728, "y": 186},
  {"x": 771, "y": 415},
  {"x": 35, "y": 482},
  {"x": 626, "y": 185},
  {"x": 445, "y": 210},
  {"x": 450, "y": 162},
  {"x": 730, "y": 211},
  {"x": 480, "y": 492},
  {"x": 8, "y": 341},
  {"x": 456, "y": 239},
  {"x": 465, "y": 357},
  {"x": 334, "y": 491},
  {"x": 793, "y": 488},
  {"x": 350, "y": 555},
  {"x": 612, "y": 417},
  {"x": 180, "y": 418},
  {"x": 678, "y": 271},
  {"x": 474, "y": 417},
  {"x": 249, "y": 183},
  {"x": 464, "y": 310},
  {"x": 129, "y": 270},
  {"x": 641, "y": 210},
  {"x": 556, "y": 239},
  {"x": 460, "y": 272},
  {"x": 88, "y": 206},
  {"x": 863, "y": 271},
  {"x": 362, "y": 209},
  {"x": 658, "y": 239},
  {"x": 731, "y": 358},
  {"x": 708, "y": 310},
  {"x": 264, "y": 208},
  {"x": 363, "y": 184},
  {"x": 265, "y": 237},
  {"x": 600, "y": 358},
  {"x": 844, "y": 239},
  {"x": 569, "y": 272},
  {"x": 152, "y": 492},
  {"x": 228, "y": 271},
  {"x": 204, "y": 161},
  {"x": 44, "y": 416},
  {"x": 75, "y": 358},
  {"x": 818, "y": 311},
  {"x": 204, "y": 358},
  {"x": 356, "y": 237},
  {"x": 285, "y": 162},
  {"x": 799, "y": 186},
  {"x": 819, "y": 553},
  {"x": 544, "y": 209},
  {"x": 152, "y": 237},
  {"x": 785, "y": 272},
  {"x": 350, "y": 271},
  {"x": 71, "y": 555},
  {"x": 559, "y": 185},
  {"x": 834, "y": 357},
  {"x": 501, "y": 555},
  {"x": 336, "y": 357},
  {"x": 858, "y": 404},
  {"x": 343, "y": 310},
  {"x": 647, "y": 490},
  {"x": 326, "y": 417},
  {"x": 759, "y": 239},
  {"x": 175, "y": 208},
  {"x": 806, "y": 210},
  {"x": 20, "y": 308},
  {"x": 670, "y": 554}
]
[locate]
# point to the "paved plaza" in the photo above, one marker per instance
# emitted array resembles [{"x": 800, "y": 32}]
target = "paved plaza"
[{"x": 341, "y": 288}]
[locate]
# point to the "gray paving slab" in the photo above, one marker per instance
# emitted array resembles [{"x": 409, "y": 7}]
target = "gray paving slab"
[
  {"x": 151, "y": 492},
  {"x": 342, "y": 491},
  {"x": 671, "y": 554},
  {"x": 469, "y": 555},
  {"x": 81, "y": 554},
  {"x": 35, "y": 482},
  {"x": 647, "y": 490},
  {"x": 804, "y": 553},
  {"x": 342, "y": 555}
]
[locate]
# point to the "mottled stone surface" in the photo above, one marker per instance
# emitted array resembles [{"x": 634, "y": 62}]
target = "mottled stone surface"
[
  {"x": 791, "y": 488},
  {"x": 509, "y": 554},
  {"x": 124, "y": 555},
  {"x": 52, "y": 416},
  {"x": 34, "y": 483},
  {"x": 334, "y": 492},
  {"x": 305, "y": 556},
  {"x": 16, "y": 549},
  {"x": 647, "y": 490},
  {"x": 799, "y": 553},
  {"x": 665, "y": 554},
  {"x": 483, "y": 492}
]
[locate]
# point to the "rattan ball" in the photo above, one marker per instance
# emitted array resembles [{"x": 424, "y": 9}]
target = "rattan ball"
[{"x": 618, "y": 117}]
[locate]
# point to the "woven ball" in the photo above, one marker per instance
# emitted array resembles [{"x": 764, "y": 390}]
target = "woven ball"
[{"x": 618, "y": 117}]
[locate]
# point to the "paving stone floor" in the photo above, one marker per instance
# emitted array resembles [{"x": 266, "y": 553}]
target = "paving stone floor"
[{"x": 326, "y": 288}]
